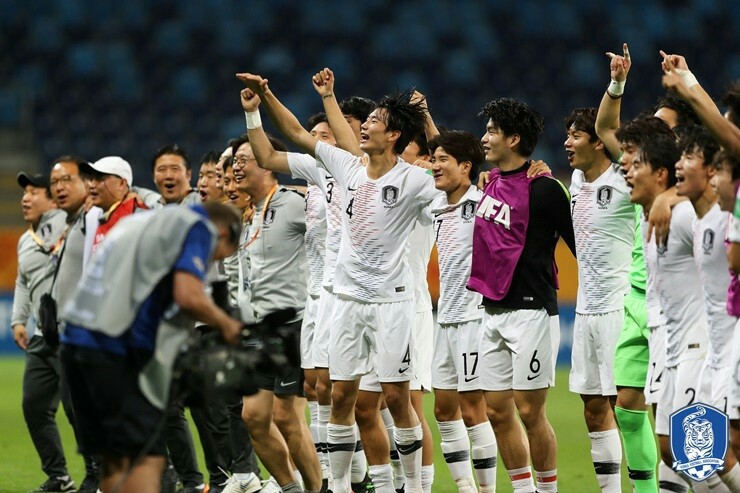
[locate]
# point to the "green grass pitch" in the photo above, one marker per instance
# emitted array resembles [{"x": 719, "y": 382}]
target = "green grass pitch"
[{"x": 20, "y": 468}]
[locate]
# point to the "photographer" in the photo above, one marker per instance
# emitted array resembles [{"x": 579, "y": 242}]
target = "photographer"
[{"x": 124, "y": 324}]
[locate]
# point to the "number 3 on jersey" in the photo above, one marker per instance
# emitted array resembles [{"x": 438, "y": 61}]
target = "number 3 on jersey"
[{"x": 349, "y": 207}]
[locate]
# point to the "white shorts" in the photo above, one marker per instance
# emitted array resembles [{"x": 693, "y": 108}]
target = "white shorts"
[
  {"x": 714, "y": 389},
  {"x": 372, "y": 336},
  {"x": 308, "y": 330},
  {"x": 320, "y": 349},
  {"x": 656, "y": 369},
  {"x": 456, "y": 365},
  {"x": 421, "y": 358},
  {"x": 592, "y": 360},
  {"x": 735, "y": 368},
  {"x": 518, "y": 349},
  {"x": 680, "y": 389}
]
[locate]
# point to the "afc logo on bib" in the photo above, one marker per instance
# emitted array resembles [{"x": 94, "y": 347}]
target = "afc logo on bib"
[{"x": 494, "y": 210}]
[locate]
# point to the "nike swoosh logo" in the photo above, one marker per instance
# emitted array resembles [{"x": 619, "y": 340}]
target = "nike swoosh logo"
[
  {"x": 530, "y": 377},
  {"x": 470, "y": 379},
  {"x": 287, "y": 384},
  {"x": 351, "y": 189},
  {"x": 403, "y": 370}
]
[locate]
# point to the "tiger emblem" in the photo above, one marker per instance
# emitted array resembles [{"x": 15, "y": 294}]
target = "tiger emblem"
[{"x": 699, "y": 439}]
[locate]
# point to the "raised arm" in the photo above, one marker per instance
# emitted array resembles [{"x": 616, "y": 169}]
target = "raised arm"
[
  {"x": 266, "y": 155},
  {"x": 430, "y": 129},
  {"x": 284, "y": 120},
  {"x": 679, "y": 79},
  {"x": 607, "y": 119},
  {"x": 323, "y": 82}
]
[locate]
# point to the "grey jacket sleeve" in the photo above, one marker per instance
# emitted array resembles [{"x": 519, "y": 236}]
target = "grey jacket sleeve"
[{"x": 21, "y": 302}]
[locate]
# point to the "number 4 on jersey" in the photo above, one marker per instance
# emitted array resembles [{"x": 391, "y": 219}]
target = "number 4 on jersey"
[{"x": 349, "y": 207}]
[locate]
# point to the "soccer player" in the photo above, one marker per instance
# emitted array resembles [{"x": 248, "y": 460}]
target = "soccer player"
[
  {"x": 171, "y": 171},
  {"x": 693, "y": 173},
  {"x": 208, "y": 178},
  {"x": 373, "y": 316},
  {"x": 115, "y": 342},
  {"x": 518, "y": 223},
  {"x": 603, "y": 223},
  {"x": 41, "y": 383},
  {"x": 278, "y": 278},
  {"x": 459, "y": 406},
  {"x": 679, "y": 292}
]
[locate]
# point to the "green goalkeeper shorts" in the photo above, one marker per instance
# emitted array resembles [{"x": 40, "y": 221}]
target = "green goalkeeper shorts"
[{"x": 632, "y": 356}]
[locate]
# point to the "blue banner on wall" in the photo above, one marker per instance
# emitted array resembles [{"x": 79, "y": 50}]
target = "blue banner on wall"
[{"x": 7, "y": 345}]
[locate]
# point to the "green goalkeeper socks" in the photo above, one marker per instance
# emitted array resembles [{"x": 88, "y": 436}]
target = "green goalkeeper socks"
[{"x": 639, "y": 448}]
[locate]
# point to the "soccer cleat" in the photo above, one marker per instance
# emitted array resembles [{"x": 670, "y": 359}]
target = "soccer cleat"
[
  {"x": 242, "y": 483},
  {"x": 366, "y": 486},
  {"x": 61, "y": 484},
  {"x": 271, "y": 486},
  {"x": 88, "y": 485}
]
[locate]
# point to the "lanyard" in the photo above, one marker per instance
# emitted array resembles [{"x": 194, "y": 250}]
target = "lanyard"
[{"x": 262, "y": 216}]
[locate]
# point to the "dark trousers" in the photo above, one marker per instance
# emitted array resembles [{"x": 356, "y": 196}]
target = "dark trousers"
[
  {"x": 180, "y": 446},
  {"x": 243, "y": 459},
  {"x": 43, "y": 388}
]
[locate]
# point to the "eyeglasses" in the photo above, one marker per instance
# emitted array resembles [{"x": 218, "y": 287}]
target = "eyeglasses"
[
  {"x": 243, "y": 160},
  {"x": 64, "y": 180}
]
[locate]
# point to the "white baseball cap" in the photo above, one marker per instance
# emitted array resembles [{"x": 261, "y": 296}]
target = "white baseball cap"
[{"x": 114, "y": 165}]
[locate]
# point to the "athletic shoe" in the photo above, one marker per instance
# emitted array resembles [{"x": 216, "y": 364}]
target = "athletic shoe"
[
  {"x": 193, "y": 489},
  {"x": 169, "y": 480},
  {"x": 89, "y": 485},
  {"x": 242, "y": 483},
  {"x": 271, "y": 486},
  {"x": 62, "y": 484},
  {"x": 366, "y": 486}
]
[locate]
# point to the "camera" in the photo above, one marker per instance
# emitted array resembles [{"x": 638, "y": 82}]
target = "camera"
[{"x": 208, "y": 368}]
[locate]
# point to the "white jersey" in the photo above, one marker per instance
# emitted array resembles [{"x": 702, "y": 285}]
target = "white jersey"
[
  {"x": 711, "y": 259},
  {"x": 453, "y": 224},
  {"x": 655, "y": 316},
  {"x": 304, "y": 166},
  {"x": 420, "y": 246},
  {"x": 315, "y": 238},
  {"x": 680, "y": 290},
  {"x": 376, "y": 224},
  {"x": 604, "y": 228}
]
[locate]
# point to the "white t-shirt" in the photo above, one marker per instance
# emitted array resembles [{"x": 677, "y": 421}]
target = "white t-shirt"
[
  {"x": 604, "y": 227},
  {"x": 655, "y": 316},
  {"x": 680, "y": 290},
  {"x": 304, "y": 166},
  {"x": 420, "y": 246},
  {"x": 711, "y": 259},
  {"x": 453, "y": 226},
  {"x": 377, "y": 221}
]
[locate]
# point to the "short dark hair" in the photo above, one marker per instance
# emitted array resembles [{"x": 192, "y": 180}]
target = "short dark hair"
[
  {"x": 641, "y": 129},
  {"x": 210, "y": 157},
  {"x": 403, "y": 116},
  {"x": 661, "y": 151},
  {"x": 698, "y": 137},
  {"x": 731, "y": 99},
  {"x": 463, "y": 146},
  {"x": 723, "y": 156},
  {"x": 70, "y": 158},
  {"x": 237, "y": 142},
  {"x": 172, "y": 149},
  {"x": 516, "y": 118},
  {"x": 228, "y": 163},
  {"x": 357, "y": 107},
  {"x": 225, "y": 216},
  {"x": 421, "y": 141},
  {"x": 685, "y": 114},
  {"x": 584, "y": 120},
  {"x": 315, "y": 119}
]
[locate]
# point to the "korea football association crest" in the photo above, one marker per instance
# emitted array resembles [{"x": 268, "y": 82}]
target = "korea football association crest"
[
  {"x": 468, "y": 210},
  {"x": 707, "y": 241},
  {"x": 698, "y": 436},
  {"x": 389, "y": 194},
  {"x": 604, "y": 196},
  {"x": 269, "y": 217}
]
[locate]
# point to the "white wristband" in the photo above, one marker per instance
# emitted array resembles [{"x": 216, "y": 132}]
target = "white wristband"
[
  {"x": 253, "y": 119},
  {"x": 616, "y": 88},
  {"x": 687, "y": 77}
]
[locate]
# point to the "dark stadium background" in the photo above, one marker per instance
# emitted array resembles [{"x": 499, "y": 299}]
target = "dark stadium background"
[{"x": 98, "y": 78}]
